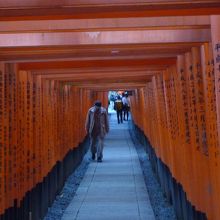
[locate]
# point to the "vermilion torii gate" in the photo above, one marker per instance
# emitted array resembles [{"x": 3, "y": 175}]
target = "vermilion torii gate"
[{"x": 57, "y": 57}]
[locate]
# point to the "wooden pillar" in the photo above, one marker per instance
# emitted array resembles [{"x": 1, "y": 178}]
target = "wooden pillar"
[
  {"x": 211, "y": 123},
  {"x": 215, "y": 31},
  {"x": 183, "y": 120},
  {"x": 2, "y": 179}
]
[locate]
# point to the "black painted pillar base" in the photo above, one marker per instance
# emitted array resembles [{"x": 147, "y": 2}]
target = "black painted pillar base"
[
  {"x": 35, "y": 203},
  {"x": 172, "y": 189}
]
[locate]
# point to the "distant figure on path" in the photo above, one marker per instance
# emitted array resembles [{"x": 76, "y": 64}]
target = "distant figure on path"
[
  {"x": 126, "y": 105},
  {"x": 97, "y": 126},
  {"x": 118, "y": 107}
]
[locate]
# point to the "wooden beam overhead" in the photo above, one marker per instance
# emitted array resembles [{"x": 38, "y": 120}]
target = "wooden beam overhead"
[
  {"x": 107, "y": 85},
  {"x": 86, "y": 75},
  {"x": 94, "y": 52},
  {"x": 105, "y": 37},
  {"x": 103, "y": 80},
  {"x": 104, "y": 76},
  {"x": 102, "y": 69},
  {"x": 96, "y": 63},
  {"x": 112, "y": 24},
  {"x": 49, "y": 9},
  {"x": 95, "y": 3}
]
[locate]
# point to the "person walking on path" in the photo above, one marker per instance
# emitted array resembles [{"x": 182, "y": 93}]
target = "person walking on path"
[
  {"x": 97, "y": 126},
  {"x": 118, "y": 107},
  {"x": 126, "y": 105}
]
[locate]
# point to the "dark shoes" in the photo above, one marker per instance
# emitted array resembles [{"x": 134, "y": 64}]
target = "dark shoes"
[
  {"x": 99, "y": 159},
  {"x": 93, "y": 156}
]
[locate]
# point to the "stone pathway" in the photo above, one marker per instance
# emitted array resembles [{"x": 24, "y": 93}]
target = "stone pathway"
[{"x": 115, "y": 188}]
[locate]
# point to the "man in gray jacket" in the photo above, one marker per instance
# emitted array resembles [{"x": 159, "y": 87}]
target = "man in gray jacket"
[{"x": 97, "y": 126}]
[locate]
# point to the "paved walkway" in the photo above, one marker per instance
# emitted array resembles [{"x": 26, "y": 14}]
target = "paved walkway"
[{"x": 115, "y": 188}]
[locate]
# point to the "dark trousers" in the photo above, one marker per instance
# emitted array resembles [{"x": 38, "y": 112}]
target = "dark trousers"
[
  {"x": 125, "y": 114},
  {"x": 97, "y": 145},
  {"x": 119, "y": 116}
]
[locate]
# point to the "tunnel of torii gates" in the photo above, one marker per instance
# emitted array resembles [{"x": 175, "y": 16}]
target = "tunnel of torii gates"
[{"x": 57, "y": 58}]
